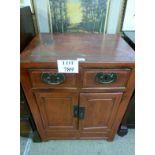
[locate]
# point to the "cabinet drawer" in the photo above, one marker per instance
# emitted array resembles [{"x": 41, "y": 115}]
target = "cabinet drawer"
[
  {"x": 105, "y": 77},
  {"x": 46, "y": 78}
]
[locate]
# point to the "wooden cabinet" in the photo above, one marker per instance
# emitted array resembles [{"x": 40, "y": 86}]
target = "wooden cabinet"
[{"x": 85, "y": 105}]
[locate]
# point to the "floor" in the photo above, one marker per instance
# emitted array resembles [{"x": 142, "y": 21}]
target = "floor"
[{"x": 120, "y": 146}]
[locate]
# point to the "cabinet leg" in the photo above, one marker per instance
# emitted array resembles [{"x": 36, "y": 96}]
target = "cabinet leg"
[
  {"x": 123, "y": 130},
  {"x": 110, "y": 139}
]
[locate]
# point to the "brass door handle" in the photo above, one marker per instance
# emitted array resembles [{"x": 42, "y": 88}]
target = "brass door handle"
[
  {"x": 79, "y": 112},
  {"x": 76, "y": 110}
]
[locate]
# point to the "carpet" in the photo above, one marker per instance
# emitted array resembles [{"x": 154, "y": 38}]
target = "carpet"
[{"x": 120, "y": 146}]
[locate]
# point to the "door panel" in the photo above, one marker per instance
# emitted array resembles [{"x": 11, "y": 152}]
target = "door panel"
[
  {"x": 100, "y": 110},
  {"x": 56, "y": 110}
]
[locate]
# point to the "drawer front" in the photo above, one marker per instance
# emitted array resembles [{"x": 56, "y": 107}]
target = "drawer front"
[
  {"x": 46, "y": 78},
  {"x": 105, "y": 77}
]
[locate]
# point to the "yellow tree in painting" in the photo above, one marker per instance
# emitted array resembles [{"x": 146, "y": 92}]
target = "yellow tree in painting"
[
  {"x": 74, "y": 11},
  {"x": 78, "y": 15}
]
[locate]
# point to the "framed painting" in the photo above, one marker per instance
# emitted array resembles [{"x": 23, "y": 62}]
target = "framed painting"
[{"x": 79, "y": 15}]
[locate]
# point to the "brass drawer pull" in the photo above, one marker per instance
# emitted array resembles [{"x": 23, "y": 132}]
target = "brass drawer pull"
[
  {"x": 105, "y": 78},
  {"x": 53, "y": 79}
]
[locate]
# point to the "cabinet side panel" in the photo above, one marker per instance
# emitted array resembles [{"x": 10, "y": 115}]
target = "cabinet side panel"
[
  {"x": 31, "y": 101},
  {"x": 123, "y": 105}
]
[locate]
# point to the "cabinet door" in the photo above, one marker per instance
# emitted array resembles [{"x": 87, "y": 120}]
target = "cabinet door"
[
  {"x": 56, "y": 110},
  {"x": 100, "y": 110}
]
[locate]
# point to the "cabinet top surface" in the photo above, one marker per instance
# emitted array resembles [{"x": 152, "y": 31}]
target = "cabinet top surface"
[{"x": 97, "y": 48}]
